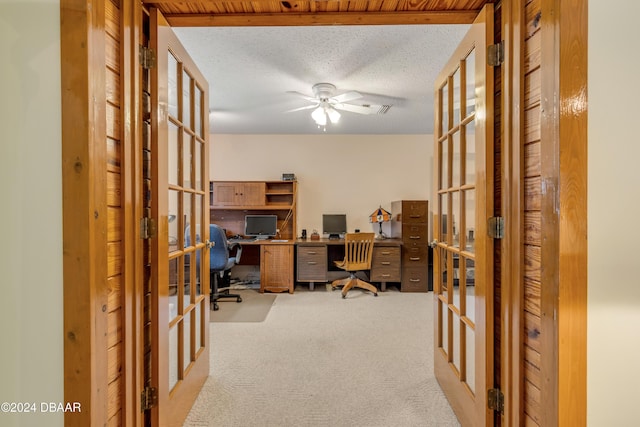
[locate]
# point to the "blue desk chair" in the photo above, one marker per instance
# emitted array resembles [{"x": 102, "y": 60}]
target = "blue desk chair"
[{"x": 220, "y": 265}]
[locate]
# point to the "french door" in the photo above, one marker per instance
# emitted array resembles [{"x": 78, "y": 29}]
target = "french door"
[
  {"x": 463, "y": 261},
  {"x": 180, "y": 203}
]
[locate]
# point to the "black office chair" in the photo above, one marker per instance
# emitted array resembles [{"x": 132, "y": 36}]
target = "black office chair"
[{"x": 220, "y": 265}]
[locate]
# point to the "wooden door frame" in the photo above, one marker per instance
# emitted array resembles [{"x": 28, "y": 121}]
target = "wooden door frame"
[
  {"x": 564, "y": 210},
  {"x": 564, "y": 207},
  {"x": 85, "y": 289}
]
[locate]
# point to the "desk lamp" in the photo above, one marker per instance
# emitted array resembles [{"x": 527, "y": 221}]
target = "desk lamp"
[{"x": 380, "y": 215}]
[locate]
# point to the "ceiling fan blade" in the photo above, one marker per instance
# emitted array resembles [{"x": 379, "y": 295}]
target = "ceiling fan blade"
[
  {"x": 347, "y": 96},
  {"x": 360, "y": 109},
  {"x": 308, "y": 107},
  {"x": 303, "y": 96}
]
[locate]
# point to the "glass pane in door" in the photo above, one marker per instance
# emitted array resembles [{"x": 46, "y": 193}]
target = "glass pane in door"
[
  {"x": 455, "y": 160},
  {"x": 456, "y": 97},
  {"x": 455, "y": 347},
  {"x": 186, "y": 355},
  {"x": 470, "y": 87},
  {"x": 174, "y": 152},
  {"x": 172, "y": 77},
  {"x": 186, "y": 100},
  {"x": 444, "y": 97},
  {"x": 470, "y": 357}
]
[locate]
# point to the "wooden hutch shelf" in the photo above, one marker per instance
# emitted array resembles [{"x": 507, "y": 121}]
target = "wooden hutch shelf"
[{"x": 231, "y": 200}]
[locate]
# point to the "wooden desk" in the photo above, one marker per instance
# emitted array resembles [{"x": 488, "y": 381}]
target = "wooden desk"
[{"x": 315, "y": 260}]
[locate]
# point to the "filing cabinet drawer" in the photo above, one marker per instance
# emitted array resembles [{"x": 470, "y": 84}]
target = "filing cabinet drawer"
[
  {"x": 415, "y": 279},
  {"x": 312, "y": 264},
  {"x": 414, "y": 233},
  {"x": 411, "y": 211},
  {"x": 415, "y": 255},
  {"x": 385, "y": 264}
]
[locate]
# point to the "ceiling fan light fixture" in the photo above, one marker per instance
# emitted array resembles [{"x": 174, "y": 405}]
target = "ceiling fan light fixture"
[
  {"x": 334, "y": 115},
  {"x": 319, "y": 116}
]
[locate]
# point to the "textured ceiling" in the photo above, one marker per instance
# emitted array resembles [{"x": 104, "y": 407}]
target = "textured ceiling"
[{"x": 250, "y": 71}]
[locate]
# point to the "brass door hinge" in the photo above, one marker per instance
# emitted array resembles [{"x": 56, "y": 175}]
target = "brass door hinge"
[
  {"x": 148, "y": 398},
  {"x": 147, "y": 228},
  {"x": 495, "y": 227},
  {"x": 495, "y": 54},
  {"x": 495, "y": 400},
  {"x": 147, "y": 57}
]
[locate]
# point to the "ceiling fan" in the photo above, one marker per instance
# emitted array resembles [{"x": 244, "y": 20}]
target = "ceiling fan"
[{"x": 326, "y": 105}]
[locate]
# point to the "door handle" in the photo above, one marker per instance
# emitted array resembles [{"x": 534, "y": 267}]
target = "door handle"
[
  {"x": 210, "y": 244},
  {"x": 433, "y": 243}
]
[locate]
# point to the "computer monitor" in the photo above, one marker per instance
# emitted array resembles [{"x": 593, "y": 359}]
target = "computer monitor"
[
  {"x": 334, "y": 225},
  {"x": 260, "y": 226}
]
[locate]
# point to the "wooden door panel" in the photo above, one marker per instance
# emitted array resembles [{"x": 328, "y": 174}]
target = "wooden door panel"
[
  {"x": 180, "y": 205},
  {"x": 463, "y": 252}
]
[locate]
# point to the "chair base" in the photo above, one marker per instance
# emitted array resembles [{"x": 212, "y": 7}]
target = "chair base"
[
  {"x": 218, "y": 295},
  {"x": 215, "y": 298},
  {"x": 353, "y": 282}
]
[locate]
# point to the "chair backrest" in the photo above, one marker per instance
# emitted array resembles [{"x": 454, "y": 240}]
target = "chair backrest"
[
  {"x": 219, "y": 253},
  {"x": 358, "y": 250}
]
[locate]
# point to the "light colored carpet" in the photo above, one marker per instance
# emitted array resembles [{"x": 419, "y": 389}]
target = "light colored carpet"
[
  {"x": 253, "y": 308},
  {"x": 319, "y": 360}
]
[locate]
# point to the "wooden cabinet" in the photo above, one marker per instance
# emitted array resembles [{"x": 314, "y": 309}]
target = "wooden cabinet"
[
  {"x": 276, "y": 267},
  {"x": 410, "y": 222},
  {"x": 238, "y": 194}
]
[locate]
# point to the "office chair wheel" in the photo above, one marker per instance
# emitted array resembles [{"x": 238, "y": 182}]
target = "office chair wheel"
[
  {"x": 344, "y": 296},
  {"x": 215, "y": 307},
  {"x": 375, "y": 295},
  {"x": 239, "y": 299}
]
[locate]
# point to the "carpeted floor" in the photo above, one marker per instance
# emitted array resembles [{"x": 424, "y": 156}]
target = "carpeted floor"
[{"x": 319, "y": 360}]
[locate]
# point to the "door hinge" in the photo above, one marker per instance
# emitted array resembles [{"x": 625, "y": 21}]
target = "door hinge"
[
  {"x": 496, "y": 227},
  {"x": 495, "y": 54},
  {"x": 148, "y": 398},
  {"x": 147, "y": 228},
  {"x": 147, "y": 57},
  {"x": 495, "y": 400}
]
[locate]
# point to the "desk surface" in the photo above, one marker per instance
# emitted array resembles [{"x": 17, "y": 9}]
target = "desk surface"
[
  {"x": 377, "y": 242},
  {"x": 309, "y": 242}
]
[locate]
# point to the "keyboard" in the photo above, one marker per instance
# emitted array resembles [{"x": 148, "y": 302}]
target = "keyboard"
[{"x": 242, "y": 240}]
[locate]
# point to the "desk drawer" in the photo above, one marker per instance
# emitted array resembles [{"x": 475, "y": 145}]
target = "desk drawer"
[
  {"x": 385, "y": 264},
  {"x": 312, "y": 264},
  {"x": 415, "y": 279}
]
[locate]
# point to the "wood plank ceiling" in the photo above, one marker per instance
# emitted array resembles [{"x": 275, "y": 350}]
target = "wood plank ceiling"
[{"x": 224, "y": 13}]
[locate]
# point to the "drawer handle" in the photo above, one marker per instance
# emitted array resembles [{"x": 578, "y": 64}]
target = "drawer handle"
[
  {"x": 312, "y": 253},
  {"x": 414, "y": 280},
  {"x": 385, "y": 253},
  {"x": 413, "y": 258},
  {"x": 386, "y": 275},
  {"x": 311, "y": 262},
  {"x": 414, "y": 237},
  {"x": 386, "y": 263},
  {"x": 415, "y": 216}
]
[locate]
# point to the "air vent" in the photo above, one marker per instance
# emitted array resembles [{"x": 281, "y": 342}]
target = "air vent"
[{"x": 383, "y": 109}]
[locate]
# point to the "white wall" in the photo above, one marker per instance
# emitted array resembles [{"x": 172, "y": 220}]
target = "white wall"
[
  {"x": 613, "y": 358},
  {"x": 351, "y": 174},
  {"x": 31, "y": 349}
]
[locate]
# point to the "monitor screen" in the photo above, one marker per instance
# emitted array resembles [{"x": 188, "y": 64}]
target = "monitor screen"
[
  {"x": 260, "y": 226},
  {"x": 334, "y": 224}
]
